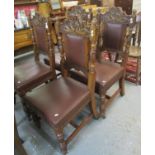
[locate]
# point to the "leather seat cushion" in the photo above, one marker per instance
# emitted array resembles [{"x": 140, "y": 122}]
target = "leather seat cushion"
[
  {"x": 107, "y": 73},
  {"x": 30, "y": 74},
  {"x": 59, "y": 100}
]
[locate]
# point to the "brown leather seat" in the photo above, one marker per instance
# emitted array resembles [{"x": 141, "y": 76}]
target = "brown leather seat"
[
  {"x": 59, "y": 99},
  {"x": 33, "y": 72},
  {"x": 30, "y": 74},
  {"x": 108, "y": 73}
]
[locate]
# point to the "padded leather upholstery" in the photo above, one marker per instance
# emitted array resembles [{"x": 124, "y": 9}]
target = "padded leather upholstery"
[
  {"x": 73, "y": 44},
  {"x": 106, "y": 74},
  {"x": 59, "y": 99},
  {"x": 41, "y": 39},
  {"x": 29, "y": 74},
  {"x": 75, "y": 47},
  {"x": 113, "y": 36}
]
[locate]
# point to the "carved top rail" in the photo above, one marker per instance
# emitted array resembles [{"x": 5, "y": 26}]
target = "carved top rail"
[
  {"x": 38, "y": 20},
  {"x": 81, "y": 13},
  {"x": 78, "y": 20},
  {"x": 115, "y": 15}
]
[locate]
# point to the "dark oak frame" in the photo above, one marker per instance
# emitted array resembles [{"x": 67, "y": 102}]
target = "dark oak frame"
[
  {"x": 114, "y": 15},
  {"x": 89, "y": 69},
  {"x": 42, "y": 22},
  {"x": 75, "y": 26}
]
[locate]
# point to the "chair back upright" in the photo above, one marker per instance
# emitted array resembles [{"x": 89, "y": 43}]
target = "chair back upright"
[
  {"x": 42, "y": 39},
  {"x": 115, "y": 34},
  {"x": 78, "y": 47}
]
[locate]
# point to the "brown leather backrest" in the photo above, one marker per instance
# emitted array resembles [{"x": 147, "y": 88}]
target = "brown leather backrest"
[
  {"x": 113, "y": 36},
  {"x": 76, "y": 48},
  {"x": 41, "y": 38},
  {"x": 41, "y": 32},
  {"x": 114, "y": 24},
  {"x": 77, "y": 43}
]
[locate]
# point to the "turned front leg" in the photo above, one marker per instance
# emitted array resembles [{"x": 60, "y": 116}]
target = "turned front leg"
[
  {"x": 60, "y": 137},
  {"x": 102, "y": 103},
  {"x": 122, "y": 86}
]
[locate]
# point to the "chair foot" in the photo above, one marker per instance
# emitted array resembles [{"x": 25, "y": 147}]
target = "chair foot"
[
  {"x": 122, "y": 86},
  {"x": 122, "y": 93},
  {"x": 62, "y": 143},
  {"x": 102, "y": 105},
  {"x": 103, "y": 115},
  {"x": 93, "y": 109}
]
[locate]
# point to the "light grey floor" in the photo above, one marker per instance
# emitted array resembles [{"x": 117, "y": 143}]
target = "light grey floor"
[{"x": 118, "y": 134}]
